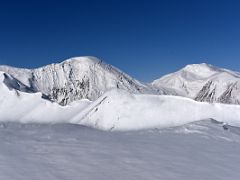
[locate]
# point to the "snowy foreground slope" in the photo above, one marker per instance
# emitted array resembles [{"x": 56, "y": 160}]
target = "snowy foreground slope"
[
  {"x": 120, "y": 110},
  {"x": 200, "y": 151},
  {"x": 204, "y": 82},
  {"x": 114, "y": 110}
]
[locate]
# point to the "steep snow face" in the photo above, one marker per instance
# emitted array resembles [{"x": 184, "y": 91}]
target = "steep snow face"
[
  {"x": 77, "y": 78},
  {"x": 204, "y": 82}
]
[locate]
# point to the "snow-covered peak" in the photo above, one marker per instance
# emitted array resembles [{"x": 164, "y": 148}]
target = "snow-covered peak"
[
  {"x": 76, "y": 78},
  {"x": 82, "y": 59},
  {"x": 190, "y": 72},
  {"x": 201, "y": 70},
  {"x": 204, "y": 70},
  {"x": 204, "y": 82}
]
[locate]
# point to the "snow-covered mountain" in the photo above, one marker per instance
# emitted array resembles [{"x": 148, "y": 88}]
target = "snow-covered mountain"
[
  {"x": 88, "y": 78},
  {"x": 74, "y": 79},
  {"x": 114, "y": 110},
  {"x": 204, "y": 82}
]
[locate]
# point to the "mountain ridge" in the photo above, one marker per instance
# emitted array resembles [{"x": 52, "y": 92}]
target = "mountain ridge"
[{"x": 89, "y": 77}]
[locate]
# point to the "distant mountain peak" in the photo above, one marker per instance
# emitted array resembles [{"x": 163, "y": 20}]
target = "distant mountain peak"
[
  {"x": 199, "y": 66},
  {"x": 202, "y": 70},
  {"x": 204, "y": 82}
]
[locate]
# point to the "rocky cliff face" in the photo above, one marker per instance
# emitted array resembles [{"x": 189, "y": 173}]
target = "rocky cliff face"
[
  {"x": 76, "y": 78},
  {"x": 229, "y": 95}
]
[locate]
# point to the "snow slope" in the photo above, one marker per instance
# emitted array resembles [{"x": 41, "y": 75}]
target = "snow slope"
[
  {"x": 200, "y": 151},
  {"x": 204, "y": 82},
  {"x": 77, "y": 78},
  {"x": 120, "y": 110}
]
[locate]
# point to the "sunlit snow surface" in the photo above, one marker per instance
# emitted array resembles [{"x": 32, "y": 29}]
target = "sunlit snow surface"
[
  {"x": 200, "y": 150},
  {"x": 140, "y": 141}
]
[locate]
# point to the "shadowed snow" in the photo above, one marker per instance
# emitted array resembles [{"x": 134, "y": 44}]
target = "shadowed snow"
[{"x": 200, "y": 150}]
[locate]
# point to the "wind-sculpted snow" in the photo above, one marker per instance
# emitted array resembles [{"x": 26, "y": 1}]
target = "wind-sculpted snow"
[
  {"x": 197, "y": 151},
  {"x": 115, "y": 110}
]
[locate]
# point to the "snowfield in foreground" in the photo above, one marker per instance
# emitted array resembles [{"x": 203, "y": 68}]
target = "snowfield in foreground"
[{"x": 200, "y": 150}]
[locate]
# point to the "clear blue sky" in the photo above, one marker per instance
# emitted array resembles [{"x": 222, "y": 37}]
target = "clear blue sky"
[{"x": 145, "y": 38}]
